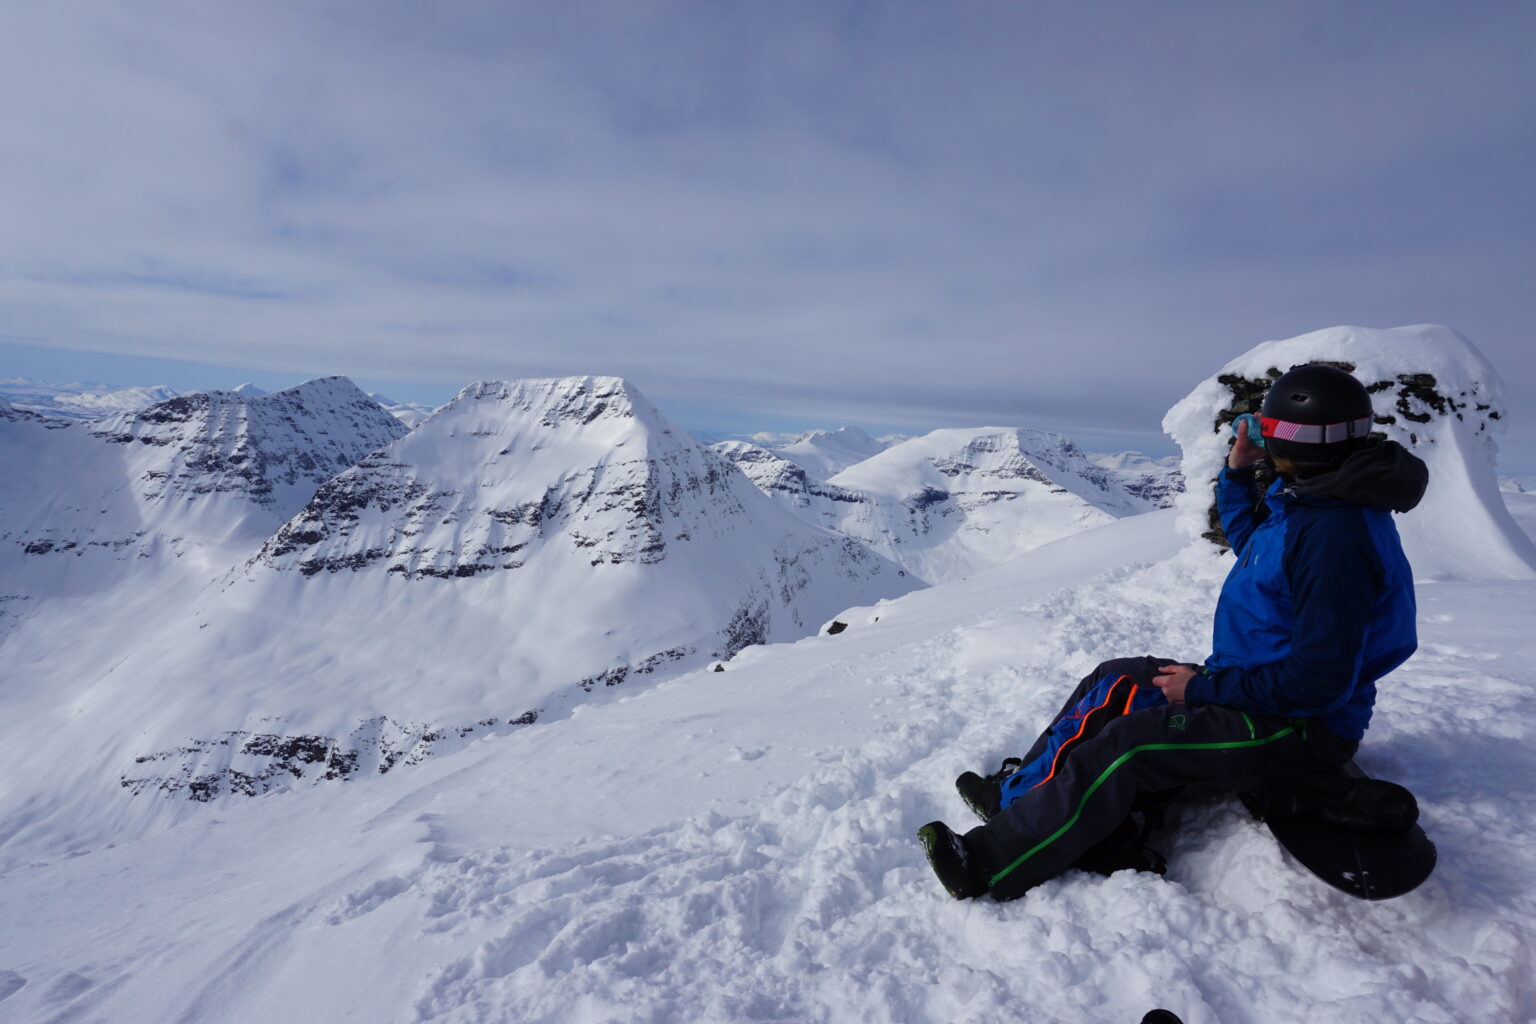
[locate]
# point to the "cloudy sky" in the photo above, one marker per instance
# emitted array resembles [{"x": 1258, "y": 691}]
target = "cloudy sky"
[{"x": 768, "y": 213}]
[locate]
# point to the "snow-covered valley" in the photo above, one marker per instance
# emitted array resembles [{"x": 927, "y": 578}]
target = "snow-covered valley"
[{"x": 727, "y": 835}]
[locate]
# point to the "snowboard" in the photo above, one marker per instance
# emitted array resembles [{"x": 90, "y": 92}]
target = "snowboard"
[{"x": 1367, "y": 863}]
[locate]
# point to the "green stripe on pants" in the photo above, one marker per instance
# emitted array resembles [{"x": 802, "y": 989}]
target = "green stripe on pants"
[{"x": 1118, "y": 762}]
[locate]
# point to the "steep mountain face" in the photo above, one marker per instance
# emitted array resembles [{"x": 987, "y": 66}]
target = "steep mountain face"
[
  {"x": 1432, "y": 391},
  {"x": 788, "y": 483},
  {"x": 954, "y": 501},
  {"x": 189, "y": 486},
  {"x": 1156, "y": 481},
  {"x": 261, "y": 456}
]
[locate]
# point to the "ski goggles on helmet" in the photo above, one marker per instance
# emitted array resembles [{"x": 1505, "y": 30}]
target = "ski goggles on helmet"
[{"x": 1262, "y": 427}]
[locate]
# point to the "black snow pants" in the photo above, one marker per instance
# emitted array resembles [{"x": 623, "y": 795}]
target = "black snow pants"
[{"x": 1044, "y": 831}]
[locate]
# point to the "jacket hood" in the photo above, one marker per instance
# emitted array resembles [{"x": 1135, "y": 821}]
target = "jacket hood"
[{"x": 1381, "y": 475}]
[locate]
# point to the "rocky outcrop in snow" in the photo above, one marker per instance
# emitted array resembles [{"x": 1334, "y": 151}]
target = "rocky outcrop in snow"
[
  {"x": 1433, "y": 392},
  {"x": 787, "y": 482},
  {"x": 268, "y": 452},
  {"x": 1156, "y": 481},
  {"x": 206, "y": 475}
]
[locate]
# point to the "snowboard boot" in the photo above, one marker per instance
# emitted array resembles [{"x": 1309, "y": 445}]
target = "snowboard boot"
[
  {"x": 951, "y": 861},
  {"x": 984, "y": 796}
]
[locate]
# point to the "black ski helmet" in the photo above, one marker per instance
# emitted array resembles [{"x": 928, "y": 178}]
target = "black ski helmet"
[{"x": 1316, "y": 415}]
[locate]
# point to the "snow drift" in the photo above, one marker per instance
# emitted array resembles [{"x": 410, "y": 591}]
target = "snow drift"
[{"x": 1433, "y": 392}]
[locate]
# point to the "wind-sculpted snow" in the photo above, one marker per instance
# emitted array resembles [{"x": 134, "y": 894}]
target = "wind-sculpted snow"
[{"x": 1433, "y": 392}]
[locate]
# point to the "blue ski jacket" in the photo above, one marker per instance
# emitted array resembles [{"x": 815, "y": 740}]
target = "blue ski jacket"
[{"x": 1320, "y": 602}]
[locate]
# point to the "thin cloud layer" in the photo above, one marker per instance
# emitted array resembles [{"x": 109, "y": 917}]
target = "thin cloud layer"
[{"x": 918, "y": 213}]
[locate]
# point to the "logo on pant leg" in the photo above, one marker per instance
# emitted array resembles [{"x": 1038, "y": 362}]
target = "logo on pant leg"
[{"x": 1179, "y": 722}]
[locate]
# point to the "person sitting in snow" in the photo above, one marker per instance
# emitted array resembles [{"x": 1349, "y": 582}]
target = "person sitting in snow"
[{"x": 1318, "y": 606}]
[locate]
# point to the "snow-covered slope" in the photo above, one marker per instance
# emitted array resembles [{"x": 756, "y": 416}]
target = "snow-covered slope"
[
  {"x": 1522, "y": 507},
  {"x": 733, "y": 845},
  {"x": 740, "y": 846},
  {"x": 1433, "y": 392},
  {"x": 536, "y": 545}
]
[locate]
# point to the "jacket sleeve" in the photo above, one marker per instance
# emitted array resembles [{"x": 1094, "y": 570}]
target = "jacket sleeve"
[
  {"x": 1335, "y": 576},
  {"x": 1237, "y": 499}
]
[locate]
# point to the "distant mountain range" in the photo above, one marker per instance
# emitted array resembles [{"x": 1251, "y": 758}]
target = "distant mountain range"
[
  {"x": 90, "y": 401},
  {"x": 311, "y": 587},
  {"x": 298, "y": 575},
  {"x": 951, "y": 502}
]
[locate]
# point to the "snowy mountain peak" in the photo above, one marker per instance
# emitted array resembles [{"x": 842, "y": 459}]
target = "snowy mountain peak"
[
  {"x": 1433, "y": 392},
  {"x": 581, "y": 465},
  {"x": 249, "y": 390},
  {"x": 266, "y": 452},
  {"x": 569, "y": 401}
]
